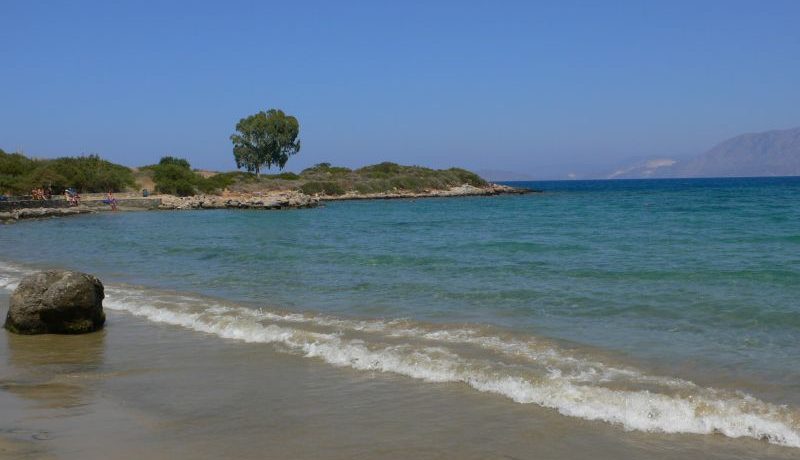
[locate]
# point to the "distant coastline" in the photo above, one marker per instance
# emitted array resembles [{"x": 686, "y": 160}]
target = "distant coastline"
[
  {"x": 37, "y": 188},
  {"x": 282, "y": 199}
]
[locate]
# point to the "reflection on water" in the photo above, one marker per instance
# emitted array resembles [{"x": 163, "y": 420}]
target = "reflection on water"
[{"x": 53, "y": 370}]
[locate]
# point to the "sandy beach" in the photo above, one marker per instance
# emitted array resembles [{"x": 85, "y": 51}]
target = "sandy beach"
[
  {"x": 145, "y": 390},
  {"x": 400, "y": 230}
]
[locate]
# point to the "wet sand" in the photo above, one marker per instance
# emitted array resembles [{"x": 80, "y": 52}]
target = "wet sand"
[{"x": 145, "y": 390}]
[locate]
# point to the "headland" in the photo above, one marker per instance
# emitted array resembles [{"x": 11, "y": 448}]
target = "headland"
[{"x": 72, "y": 186}]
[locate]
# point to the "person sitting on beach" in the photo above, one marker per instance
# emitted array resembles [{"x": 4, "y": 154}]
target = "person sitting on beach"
[
  {"x": 71, "y": 196},
  {"x": 110, "y": 200}
]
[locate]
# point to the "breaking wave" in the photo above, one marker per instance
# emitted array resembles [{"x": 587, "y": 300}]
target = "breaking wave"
[{"x": 525, "y": 369}]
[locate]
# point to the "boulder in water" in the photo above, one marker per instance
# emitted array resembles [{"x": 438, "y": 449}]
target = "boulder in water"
[{"x": 56, "y": 302}]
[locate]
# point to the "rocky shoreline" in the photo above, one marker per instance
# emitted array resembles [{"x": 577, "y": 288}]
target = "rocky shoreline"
[
  {"x": 39, "y": 213},
  {"x": 463, "y": 190},
  {"x": 277, "y": 200},
  {"x": 294, "y": 200},
  {"x": 286, "y": 199}
]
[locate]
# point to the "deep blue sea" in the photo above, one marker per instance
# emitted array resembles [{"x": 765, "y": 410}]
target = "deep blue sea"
[{"x": 660, "y": 305}]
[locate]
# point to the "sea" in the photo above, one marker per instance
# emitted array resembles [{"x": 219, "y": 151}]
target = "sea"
[{"x": 666, "y": 308}]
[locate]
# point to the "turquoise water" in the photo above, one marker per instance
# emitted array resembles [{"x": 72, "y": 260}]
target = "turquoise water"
[{"x": 694, "y": 279}]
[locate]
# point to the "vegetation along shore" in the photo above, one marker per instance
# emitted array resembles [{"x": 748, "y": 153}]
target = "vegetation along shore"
[
  {"x": 31, "y": 187},
  {"x": 173, "y": 184}
]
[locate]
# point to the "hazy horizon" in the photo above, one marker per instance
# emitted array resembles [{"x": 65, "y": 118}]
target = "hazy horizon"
[{"x": 540, "y": 90}]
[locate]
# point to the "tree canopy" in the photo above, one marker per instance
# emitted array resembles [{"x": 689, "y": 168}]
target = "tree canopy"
[{"x": 265, "y": 139}]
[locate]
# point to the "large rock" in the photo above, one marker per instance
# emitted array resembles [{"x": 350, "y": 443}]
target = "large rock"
[{"x": 56, "y": 302}]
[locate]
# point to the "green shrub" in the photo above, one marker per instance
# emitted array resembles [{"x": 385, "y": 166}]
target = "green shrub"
[
  {"x": 311, "y": 188},
  {"x": 174, "y": 176},
  {"x": 240, "y": 176},
  {"x": 381, "y": 170},
  {"x": 214, "y": 183},
  {"x": 174, "y": 179},
  {"x": 410, "y": 183},
  {"x": 286, "y": 176},
  {"x": 180, "y": 187},
  {"x": 15, "y": 164},
  {"x": 467, "y": 177},
  {"x": 323, "y": 170},
  {"x": 169, "y": 160},
  {"x": 92, "y": 174},
  {"x": 327, "y": 188},
  {"x": 366, "y": 187},
  {"x": 385, "y": 177},
  {"x": 19, "y": 174}
]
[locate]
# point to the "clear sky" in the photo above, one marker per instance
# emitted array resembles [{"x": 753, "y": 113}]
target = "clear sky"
[{"x": 543, "y": 88}]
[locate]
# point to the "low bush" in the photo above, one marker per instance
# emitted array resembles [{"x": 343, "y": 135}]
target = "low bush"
[
  {"x": 285, "y": 176},
  {"x": 381, "y": 170},
  {"x": 321, "y": 171},
  {"x": 327, "y": 188},
  {"x": 20, "y": 174},
  {"x": 466, "y": 177},
  {"x": 169, "y": 160},
  {"x": 174, "y": 176},
  {"x": 215, "y": 183},
  {"x": 174, "y": 179}
]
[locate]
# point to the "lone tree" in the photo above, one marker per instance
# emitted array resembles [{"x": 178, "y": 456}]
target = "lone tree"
[{"x": 265, "y": 139}]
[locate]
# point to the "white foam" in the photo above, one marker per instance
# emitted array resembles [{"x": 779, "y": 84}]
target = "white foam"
[
  {"x": 578, "y": 392},
  {"x": 10, "y": 275},
  {"x": 8, "y": 283},
  {"x": 701, "y": 411},
  {"x": 569, "y": 367}
]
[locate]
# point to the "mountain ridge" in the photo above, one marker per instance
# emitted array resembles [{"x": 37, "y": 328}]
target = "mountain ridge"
[{"x": 767, "y": 153}]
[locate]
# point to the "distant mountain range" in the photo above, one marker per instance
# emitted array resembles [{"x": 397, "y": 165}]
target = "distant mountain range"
[{"x": 771, "y": 153}]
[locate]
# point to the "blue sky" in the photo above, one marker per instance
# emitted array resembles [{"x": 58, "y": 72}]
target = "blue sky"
[{"x": 542, "y": 88}]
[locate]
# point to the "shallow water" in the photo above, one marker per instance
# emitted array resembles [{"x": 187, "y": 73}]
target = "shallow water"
[
  {"x": 140, "y": 389},
  {"x": 657, "y": 306}
]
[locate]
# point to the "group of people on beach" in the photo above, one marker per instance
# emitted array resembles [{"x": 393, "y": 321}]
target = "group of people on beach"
[
  {"x": 41, "y": 193},
  {"x": 72, "y": 197}
]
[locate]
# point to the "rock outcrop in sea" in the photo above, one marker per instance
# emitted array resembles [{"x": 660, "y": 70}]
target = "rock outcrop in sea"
[{"x": 56, "y": 302}]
